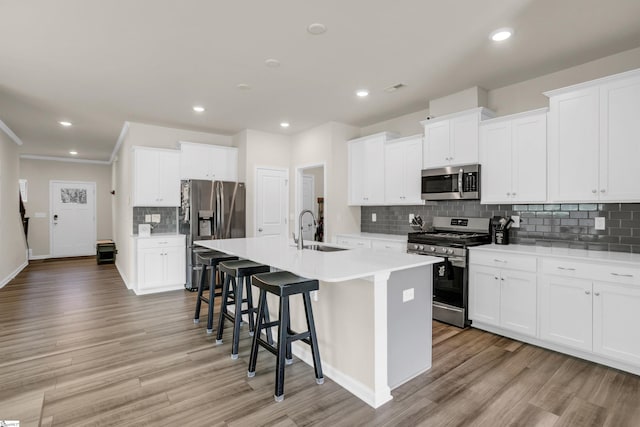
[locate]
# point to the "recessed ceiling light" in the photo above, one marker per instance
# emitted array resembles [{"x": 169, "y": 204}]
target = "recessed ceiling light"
[
  {"x": 272, "y": 63},
  {"x": 316, "y": 29},
  {"x": 65, "y": 124},
  {"x": 73, "y": 153},
  {"x": 243, "y": 86},
  {"x": 501, "y": 34},
  {"x": 198, "y": 109},
  {"x": 284, "y": 124},
  {"x": 362, "y": 93}
]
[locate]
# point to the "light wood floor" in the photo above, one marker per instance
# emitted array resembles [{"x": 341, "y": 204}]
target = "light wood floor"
[{"x": 77, "y": 348}]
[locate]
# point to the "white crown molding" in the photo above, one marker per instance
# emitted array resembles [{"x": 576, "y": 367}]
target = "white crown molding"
[
  {"x": 10, "y": 133},
  {"x": 123, "y": 133},
  {"x": 64, "y": 159}
]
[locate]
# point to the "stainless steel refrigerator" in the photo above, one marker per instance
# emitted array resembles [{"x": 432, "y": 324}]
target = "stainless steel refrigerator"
[{"x": 210, "y": 210}]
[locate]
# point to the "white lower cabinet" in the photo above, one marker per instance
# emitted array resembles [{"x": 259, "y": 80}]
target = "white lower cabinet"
[
  {"x": 565, "y": 308},
  {"x": 160, "y": 264},
  {"x": 503, "y": 297},
  {"x": 587, "y": 308},
  {"x": 615, "y": 311}
]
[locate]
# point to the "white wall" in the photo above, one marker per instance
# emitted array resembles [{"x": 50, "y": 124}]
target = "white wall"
[
  {"x": 259, "y": 149},
  {"x": 165, "y": 137},
  {"x": 13, "y": 245},
  {"x": 515, "y": 98},
  {"x": 527, "y": 95},
  {"x": 327, "y": 144},
  {"x": 38, "y": 173},
  {"x": 406, "y": 125}
]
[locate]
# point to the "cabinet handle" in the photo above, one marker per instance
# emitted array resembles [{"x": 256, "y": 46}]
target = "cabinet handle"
[
  {"x": 566, "y": 268},
  {"x": 502, "y": 278},
  {"x": 594, "y": 191},
  {"x": 513, "y": 194},
  {"x": 621, "y": 275},
  {"x": 499, "y": 260},
  {"x": 597, "y": 294},
  {"x": 496, "y": 277},
  {"x": 508, "y": 194},
  {"x": 603, "y": 191},
  {"x": 587, "y": 292}
]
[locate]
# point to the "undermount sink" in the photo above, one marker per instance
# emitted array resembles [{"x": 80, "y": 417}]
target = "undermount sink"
[{"x": 323, "y": 248}]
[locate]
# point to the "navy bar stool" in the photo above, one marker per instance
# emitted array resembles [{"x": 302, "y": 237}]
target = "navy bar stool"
[
  {"x": 237, "y": 276},
  {"x": 284, "y": 284},
  {"x": 209, "y": 261}
]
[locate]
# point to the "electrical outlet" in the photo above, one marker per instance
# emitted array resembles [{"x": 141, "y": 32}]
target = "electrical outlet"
[
  {"x": 411, "y": 216},
  {"x": 516, "y": 221},
  {"x": 147, "y": 218},
  {"x": 155, "y": 218},
  {"x": 374, "y": 217},
  {"x": 600, "y": 223},
  {"x": 407, "y": 295}
]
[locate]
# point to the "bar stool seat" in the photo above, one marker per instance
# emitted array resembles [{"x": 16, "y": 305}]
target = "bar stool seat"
[
  {"x": 284, "y": 284},
  {"x": 209, "y": 260},
  {"x": 237, "y": 276}
]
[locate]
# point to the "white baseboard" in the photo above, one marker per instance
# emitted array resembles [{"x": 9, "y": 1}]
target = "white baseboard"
[
  {"x": 34, "y": 257},
  {"x": 14, "y": 273},
  {"x": 361, "y": 391},
  {"x": 157, "y": 290},
  {"x": 123, "y": 276}
]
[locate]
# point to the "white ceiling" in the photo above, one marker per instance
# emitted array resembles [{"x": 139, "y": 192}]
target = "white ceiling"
[{"x": 99, "y": 63}]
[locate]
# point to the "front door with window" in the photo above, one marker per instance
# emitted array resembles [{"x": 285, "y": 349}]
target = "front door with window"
[{"x": 73, "y": 218}]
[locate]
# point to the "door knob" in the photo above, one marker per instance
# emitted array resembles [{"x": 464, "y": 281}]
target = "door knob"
[{"x": 55, "y": 217}]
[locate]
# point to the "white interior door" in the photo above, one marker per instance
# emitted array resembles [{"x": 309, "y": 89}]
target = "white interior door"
[
  {"x": 73, "y": 218},
  {"x": 308, "y": 197},
  {"x": 272, "y": 202}
]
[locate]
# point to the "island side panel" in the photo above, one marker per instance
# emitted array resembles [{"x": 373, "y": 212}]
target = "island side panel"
[
  {"x": 409, "y": 324},
  {"x": 344, "y": 313}
]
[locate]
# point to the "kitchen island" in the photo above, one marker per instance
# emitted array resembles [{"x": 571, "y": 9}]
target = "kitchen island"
[{"x": 372, "y": 311}]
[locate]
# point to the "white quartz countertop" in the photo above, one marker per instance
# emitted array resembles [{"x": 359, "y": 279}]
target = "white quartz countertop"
[
  {"x": 581, "y": 254},
  {"x": 281, "y": 253},
  {"x": 377, "y": 236}
]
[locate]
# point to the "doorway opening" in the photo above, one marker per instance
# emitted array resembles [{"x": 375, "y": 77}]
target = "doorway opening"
[{"x": 311, "y": 194}]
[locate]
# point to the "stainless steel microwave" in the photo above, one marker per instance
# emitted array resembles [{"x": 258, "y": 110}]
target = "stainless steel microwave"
[{"x": 451, "y": 183}]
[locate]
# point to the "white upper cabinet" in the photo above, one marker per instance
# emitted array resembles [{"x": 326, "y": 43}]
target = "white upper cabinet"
[
  {"x": 593, "y": 140},
  {"x": 513, "y": 155},
  {"x": 156, "y": 175},
  {"x": 366, "y": 169},
  {"x": 209, "y": 162},
  {"x": 402, "y": 168},
  {"x": 620, "y": 140},
  {"x": 453, "y": 139}
]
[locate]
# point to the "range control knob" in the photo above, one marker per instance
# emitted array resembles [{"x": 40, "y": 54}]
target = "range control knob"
[
  {"x": 444, "y": 250},
  {"x": 433, "y": 249},
  {"x": 449, "y": 251},
  {"x": 420, "y": 247}
]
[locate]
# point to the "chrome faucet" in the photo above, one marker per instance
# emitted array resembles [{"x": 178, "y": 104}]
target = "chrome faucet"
[{"x": 299, "y": 241}]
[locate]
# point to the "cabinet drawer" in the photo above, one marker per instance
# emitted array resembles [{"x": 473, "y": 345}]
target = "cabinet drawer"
[
  {"x": 160, "y": 242},
  {"x": 353, "y": 242},
  {"x": 599, "y": 272},
  {"x": 502, "y": 260},
  {"x": 389, "y": 245}
]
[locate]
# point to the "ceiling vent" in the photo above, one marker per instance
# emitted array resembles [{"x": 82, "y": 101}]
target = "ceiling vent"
[{"x": 394, "y": 87}]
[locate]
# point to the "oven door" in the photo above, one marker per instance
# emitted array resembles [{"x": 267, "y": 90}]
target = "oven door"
[{"x": 450, "y": 291}]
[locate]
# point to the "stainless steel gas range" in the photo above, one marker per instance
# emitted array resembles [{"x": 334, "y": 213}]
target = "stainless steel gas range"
[{"x": 449, "y": 239}]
